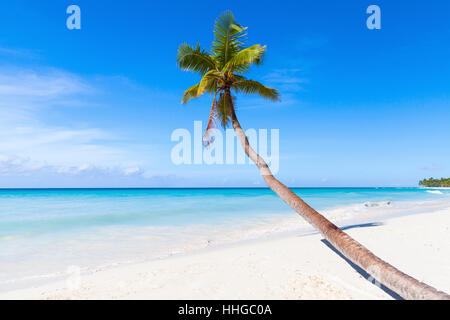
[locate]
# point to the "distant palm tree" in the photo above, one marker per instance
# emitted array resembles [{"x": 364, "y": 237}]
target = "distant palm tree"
[{"x": 222, "y": 72}]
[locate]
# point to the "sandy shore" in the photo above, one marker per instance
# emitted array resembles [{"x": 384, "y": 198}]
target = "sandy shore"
[{"x": 298, "y": 267}]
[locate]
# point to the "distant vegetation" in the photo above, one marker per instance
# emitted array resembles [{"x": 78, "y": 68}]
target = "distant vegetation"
[{"x": 443, "y": 182}]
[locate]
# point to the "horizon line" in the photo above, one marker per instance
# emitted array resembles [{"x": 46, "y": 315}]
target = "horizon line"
[{"x": 175, "y": 188}]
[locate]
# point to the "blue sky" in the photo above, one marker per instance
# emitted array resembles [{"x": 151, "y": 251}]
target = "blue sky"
[{"x": 96, "y": 107}]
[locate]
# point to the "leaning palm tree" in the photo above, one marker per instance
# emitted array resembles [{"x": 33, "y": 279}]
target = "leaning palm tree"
[{"x": 222, "y": 71}]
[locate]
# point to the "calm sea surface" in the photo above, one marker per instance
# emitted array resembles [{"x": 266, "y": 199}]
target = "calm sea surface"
[{"x": 45, "y": 233}]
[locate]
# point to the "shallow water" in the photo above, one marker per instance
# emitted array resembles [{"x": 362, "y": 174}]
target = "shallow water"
[{"x": 45, "y": 233}]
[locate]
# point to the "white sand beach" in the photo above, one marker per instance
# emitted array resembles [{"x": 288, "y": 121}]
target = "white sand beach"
[{"x": 296, "y": 267}]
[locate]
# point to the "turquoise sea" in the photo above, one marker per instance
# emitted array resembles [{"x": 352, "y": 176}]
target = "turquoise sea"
[{"x": 45, "y": 232}]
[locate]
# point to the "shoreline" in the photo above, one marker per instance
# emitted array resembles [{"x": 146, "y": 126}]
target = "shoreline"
[
  {"x": 289, "y": 267},
  {"x": 279, "y": 227}
]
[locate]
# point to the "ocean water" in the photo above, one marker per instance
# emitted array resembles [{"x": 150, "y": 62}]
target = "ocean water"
[{"x": 46, "y": 233}]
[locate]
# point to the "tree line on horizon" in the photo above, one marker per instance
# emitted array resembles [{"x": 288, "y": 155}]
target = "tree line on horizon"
[{"x": 442, "y": 182}]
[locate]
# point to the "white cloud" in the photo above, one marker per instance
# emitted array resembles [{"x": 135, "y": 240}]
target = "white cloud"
[
  {"x": 28, "y": 143},
  {"x": 22, "y": 167},
  {"x": 51, "y": 84},
  {"x": 130, "y": 171}
]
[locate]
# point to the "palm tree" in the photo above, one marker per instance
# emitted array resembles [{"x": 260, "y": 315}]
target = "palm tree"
[{"x": 222, "y": 72}]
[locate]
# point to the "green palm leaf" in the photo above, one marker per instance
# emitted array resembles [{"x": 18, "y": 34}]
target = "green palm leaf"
[
  {"x": 228, "y": 38},
  {"x": 210, "y": 81},
  {"x": 244, "y": 58},
  {"x": 221, "y": 70},
  {"x": 254, "y": 87},
  {"x": 194, "y": 59},
  {"x": 190, "y": 93}
]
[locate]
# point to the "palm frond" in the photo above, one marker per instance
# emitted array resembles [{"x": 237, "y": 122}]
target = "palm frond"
[
  {"x": 228, "y": 38},
  {"x": 254, "y": 87},
  {"x": 194, "y": 59},
  {"x": 244, "y": 58},
  {"x": 190, "y": 93},
  {"x": 222, "y": 70},
  {"x": 210, "y": 81}
]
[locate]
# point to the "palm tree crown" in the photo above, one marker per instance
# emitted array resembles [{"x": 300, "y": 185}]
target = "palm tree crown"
[{"x": 222, "y": 68}]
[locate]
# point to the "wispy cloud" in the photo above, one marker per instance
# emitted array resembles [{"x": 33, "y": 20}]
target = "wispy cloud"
[
  {"x": 23, "y": 88},
  {"x": 24, "y": 172},
  {"x": 14, "y": 165},
  {"x": 287, "y": 80},
  {"x": 31, "y": 145},
  {"x": 432, "y": 167},
  {"x": 17, "y": 53}
]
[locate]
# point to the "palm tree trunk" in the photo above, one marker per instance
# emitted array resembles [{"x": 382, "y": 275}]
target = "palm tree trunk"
[{"x": 399, "y": 282}]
